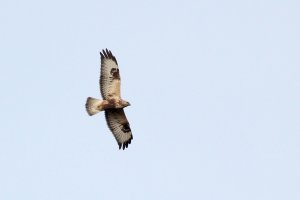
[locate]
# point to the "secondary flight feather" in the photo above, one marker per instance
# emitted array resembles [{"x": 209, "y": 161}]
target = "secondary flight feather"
[{"x": 112, "y": 103}]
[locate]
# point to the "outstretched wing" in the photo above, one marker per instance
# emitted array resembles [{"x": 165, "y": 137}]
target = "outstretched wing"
[
  {"x": 119, "y": 126},
  {"x": 109, "y": 77}
]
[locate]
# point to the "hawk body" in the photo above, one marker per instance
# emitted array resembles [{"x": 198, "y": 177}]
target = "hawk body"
[{"x": 112, "y": 103}]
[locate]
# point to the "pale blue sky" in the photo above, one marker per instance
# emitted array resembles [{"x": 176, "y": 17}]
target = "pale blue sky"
[{"x": 214, "y": 88}]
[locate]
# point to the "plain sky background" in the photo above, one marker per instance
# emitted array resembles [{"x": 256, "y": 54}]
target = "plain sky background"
[{"x": 214, "y": 88}]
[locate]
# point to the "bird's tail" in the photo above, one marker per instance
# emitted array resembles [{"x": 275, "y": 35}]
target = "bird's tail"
[{"x": 93, "y": 106}]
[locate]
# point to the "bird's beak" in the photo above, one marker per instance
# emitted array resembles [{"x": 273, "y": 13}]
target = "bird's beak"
[{"x": 129, "y": 104}]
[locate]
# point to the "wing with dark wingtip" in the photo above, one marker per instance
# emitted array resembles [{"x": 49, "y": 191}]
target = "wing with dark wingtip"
[
  {"x": 110, "y": 81},
  {"x": 119, "y": 126}
]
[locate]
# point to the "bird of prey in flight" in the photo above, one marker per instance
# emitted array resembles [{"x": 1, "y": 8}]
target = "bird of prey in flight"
[{"x": 112, "y": 103}]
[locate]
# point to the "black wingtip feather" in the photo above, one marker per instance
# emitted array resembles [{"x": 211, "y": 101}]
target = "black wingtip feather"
[
  {"x": 102, "y": 56},
  {"x": 124, "y": 145},
  {"x": 108, "y": 54},
  {"x": 105, "y": 54}
]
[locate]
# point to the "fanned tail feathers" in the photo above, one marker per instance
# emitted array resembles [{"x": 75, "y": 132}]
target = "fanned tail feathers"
[{"x": 93, "y": 106}]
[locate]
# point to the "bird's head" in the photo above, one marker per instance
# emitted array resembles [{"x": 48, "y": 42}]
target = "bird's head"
[{"x": 125, "y": 103}]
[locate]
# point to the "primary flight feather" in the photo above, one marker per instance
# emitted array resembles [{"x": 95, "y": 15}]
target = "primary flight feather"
[{"x": 112, "y": 103}]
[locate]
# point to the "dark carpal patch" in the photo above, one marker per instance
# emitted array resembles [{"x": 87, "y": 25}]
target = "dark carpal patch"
[
  {"x": 126, "y": 128},
  {"x": 115, "y": 73}
]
